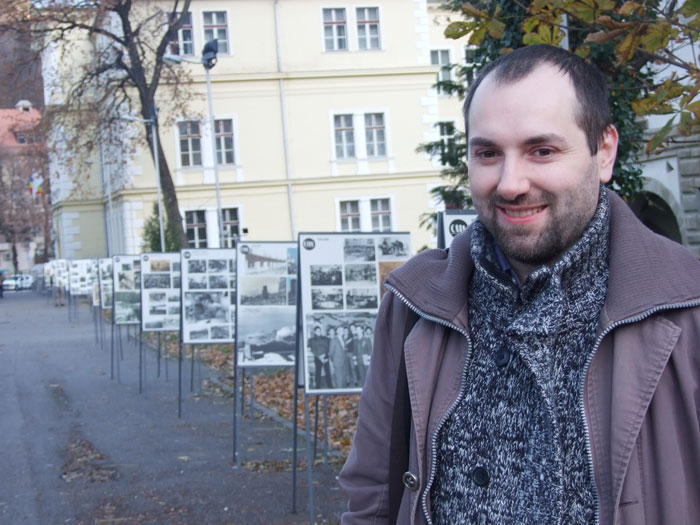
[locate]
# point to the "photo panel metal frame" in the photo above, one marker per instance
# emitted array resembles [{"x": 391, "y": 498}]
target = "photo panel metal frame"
[
  {"x": 266, "y": 303},
  {"x": 160, "y": 292},
  {"x": 126, "y": 296},
  {"x": 341, "y": 282},
  {"x": 208, "y": 287}
]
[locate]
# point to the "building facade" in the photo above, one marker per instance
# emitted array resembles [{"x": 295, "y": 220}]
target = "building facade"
[{"x": 318, "y": 110}]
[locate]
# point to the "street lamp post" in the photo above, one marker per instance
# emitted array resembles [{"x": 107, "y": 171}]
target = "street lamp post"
[
  {"x": 153, "y": 121},
  {"x": 209, "y": 52}
]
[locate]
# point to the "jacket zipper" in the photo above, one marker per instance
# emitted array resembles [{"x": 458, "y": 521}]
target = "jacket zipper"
[
  {"x": 589, "y": 360},
  {"x": 433, "y": 439}
]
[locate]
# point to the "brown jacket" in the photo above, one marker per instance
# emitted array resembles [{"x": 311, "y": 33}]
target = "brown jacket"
[{"x": 641, "y": 392}]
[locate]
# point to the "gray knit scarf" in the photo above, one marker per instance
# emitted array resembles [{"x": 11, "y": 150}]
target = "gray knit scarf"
[{"x": 514, "y": 448}]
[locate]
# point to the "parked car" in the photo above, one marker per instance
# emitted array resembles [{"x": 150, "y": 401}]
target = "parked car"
[{"x": 18, "y": 282}]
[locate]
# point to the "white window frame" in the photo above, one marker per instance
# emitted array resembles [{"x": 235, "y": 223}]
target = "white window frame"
[
  {"x": 206, "y": 227},
  {"x": 381, "y": 213},
  {"x": 376, "y": 143},
  {"x": 335, "y": 37},
  {"x": 444, "y": 139},
  {"x": 179, "y": 149},
  {"x": 379, "y": 26},
  {"x": 345, "y": 129},
  {"x": 359, "y": 130},
  {"x": 229, "y": 43},
  {"x": 180, "y": 38},
  {"x": 228, "y": 238},
  {"x": 234, "y": 141},
  {"x": 343, "y": 214},
  {"x": 442, "y": 72},
  {"x": 365, "y": 210}
]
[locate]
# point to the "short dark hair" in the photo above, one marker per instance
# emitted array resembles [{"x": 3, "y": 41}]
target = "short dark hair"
[{"x": 593, "y": 114}]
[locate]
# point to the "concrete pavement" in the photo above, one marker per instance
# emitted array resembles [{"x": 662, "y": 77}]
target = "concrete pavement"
[{"x": 78, "y": 447}]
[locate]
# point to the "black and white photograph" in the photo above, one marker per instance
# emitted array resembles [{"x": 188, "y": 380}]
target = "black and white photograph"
[
  {"x": 337, "y": 350},
  {"x": 360, "y": 249},
  {"x": 156, "y": 297},
  {"x": 291, "y": 291},
  {"x": 197, "y": 282},
  {"x": 263, "y": 259},
  {"x": 105, "y": 274},
  {"x": 217, "y": 265},
  {"x": 206, "y": 307},
  {"x": 156, "y": 280},
  {"x": 197, "y": 266},
  {"x": 326, "y": 274},
  {"x": 361, "y": 299},
  {"x": 127, "y": 289},
  {"x": 218, "y": 282},
  {"x": 161, "y": 303},
  {"x": 157, "y": 310},
  {"x": 199, "y": 334},
  {"x": 220, "y": 332},
  {"x": 292, "y": 260},
  {"x": 266, "y": 336},
  {"x": 266, "y": 312},
  {"x": 256, "y": 291},
  {"x": 127, "y": 307},
  {"x": 393, "y": 247},
  {"x": 208, "y": 298},
  {"x": 326, "y": 298},
  {"x": 360, "y": 274}
]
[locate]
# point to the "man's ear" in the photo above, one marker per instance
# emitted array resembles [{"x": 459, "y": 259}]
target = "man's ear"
[{"x": 607, "y": 152}]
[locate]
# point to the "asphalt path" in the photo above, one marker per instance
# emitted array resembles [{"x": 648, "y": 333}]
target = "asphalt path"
[{"x": 77, "y": 446}]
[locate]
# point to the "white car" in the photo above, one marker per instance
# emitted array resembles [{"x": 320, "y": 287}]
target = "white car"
[{"x": 18, "y": 282}]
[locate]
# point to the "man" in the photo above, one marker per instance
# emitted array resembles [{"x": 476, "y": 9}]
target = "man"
[
  {"x": 336, "y": 355},
  {"x": 553, "y": 370},
  {"x": 319, "y": 346}
]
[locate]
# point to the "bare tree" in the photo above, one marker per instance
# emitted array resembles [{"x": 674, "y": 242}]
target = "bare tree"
[
  {"x": 25, "y": 209},
  {"x": 120, "y": 72}
]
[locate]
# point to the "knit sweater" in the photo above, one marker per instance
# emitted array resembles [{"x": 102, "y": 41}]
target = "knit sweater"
[{"x": 514, "y": 449}]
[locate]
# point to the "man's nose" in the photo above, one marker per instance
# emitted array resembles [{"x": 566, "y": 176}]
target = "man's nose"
[{"x": 514, "y": 179}]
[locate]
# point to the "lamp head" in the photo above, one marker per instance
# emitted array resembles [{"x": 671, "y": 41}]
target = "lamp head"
[{"x": 211, "y": 48}]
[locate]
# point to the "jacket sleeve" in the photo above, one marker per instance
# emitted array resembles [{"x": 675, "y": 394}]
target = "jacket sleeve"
[{"x": 365, "y": 476}]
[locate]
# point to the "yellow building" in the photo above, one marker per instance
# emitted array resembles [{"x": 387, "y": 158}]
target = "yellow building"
[{"x": 318, "y": 107}]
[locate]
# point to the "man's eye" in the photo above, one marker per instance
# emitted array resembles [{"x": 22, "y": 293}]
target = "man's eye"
[
  {"x": 544, "y": 152},
  {"x": 486, "y": 154}
]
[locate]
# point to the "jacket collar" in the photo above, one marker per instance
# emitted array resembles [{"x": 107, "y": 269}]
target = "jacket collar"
[{"x": 646, "y": 271}]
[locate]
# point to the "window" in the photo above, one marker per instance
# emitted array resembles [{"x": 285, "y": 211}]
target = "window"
[
  {"x": 350, "y": 216},
  {"x": 470, "y": 62},
  {"x": 196, "y": 225},
  {"x": 374, "y": 135},
  {"x": 368, "y": 28},
  {"x": 381, "y": 215},
  {"x": 441, "y": 57},
  {"x": 366, "y": 214},
  {"x": 230, "y": 220},
  {"x": 224, "y": 141},
  {"x": 335, "y": 30},
  {"x": 447, "y": 141},
  {"x": 184, "y": 43},
  {"x": 215, "y": 27},
  {"x": 344, "y": 137},
  {"x": 190, "y": 143}
]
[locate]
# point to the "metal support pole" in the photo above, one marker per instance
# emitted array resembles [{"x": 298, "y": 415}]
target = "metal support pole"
[
  {"x": 309, "y": 461},
  {"x": 179, "y": 379},
  {"x": 214, "y": 161},
  {"x": 159, "y": 337}
]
